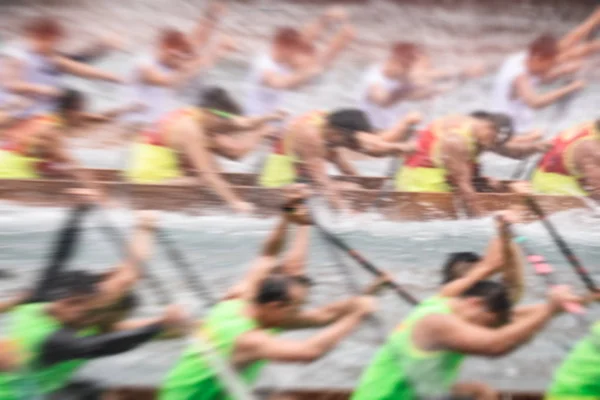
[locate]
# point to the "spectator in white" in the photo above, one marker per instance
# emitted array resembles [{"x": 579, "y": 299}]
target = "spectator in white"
[
  {"x": 33, "y": 69},
  {"x": 157, "y": 78},
  {"x": 406, "y": 75},
  {"x": 516, "y": 89},
  {"x": 293, "y": 61}
]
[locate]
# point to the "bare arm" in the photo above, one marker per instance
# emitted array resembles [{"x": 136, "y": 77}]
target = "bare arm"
[
  {"x": 294, "y": 80},
  {"x": 519, "y": 149},
  {"x": 84, "y": 70},
  {"x": 402, "y": 129},
  {"x": 526, "y": 92},
  {"x": 195, "y": 144},
  {"x": 207, "y": 24},
  {"x": 335, "y": 46},
  {"x": 488, "y": 266},
  {"x": 259, "y": 345},
  {"x": 314, "y": 159},
  {"x": 581, "y": 32},
  {"x": 125, "y": 275},
  {"x": 342, "y": 163},
  {"x": 590, "y": 166},
  {"x": 323, "y": 316},
  {"x": 294, "y": 262},
  {"x": 239, "y": 123},
  {"x": 456, "y": 156},
  {"x": 375, "y": 146},
  {"x": 263, "y": 265},
  {"x": 451, "y": 333},
  {"x": 13, "y": 80},
  {"x": 385, "y": 98}
]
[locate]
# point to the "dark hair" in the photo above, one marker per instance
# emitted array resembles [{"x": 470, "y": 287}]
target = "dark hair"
[
  {"x": 74, "y": 284},
  {"x": 175, "y": 39},
  {"x": 545, "y": 46},
  {"x": 45, "y": 27},
  {"x": 405, "y": 52},
  {"x": 289, "y": 37},
  {"x": 70, "y": 100},
  {"x": 495, "y": 296},
  {"x": 127, "y": 303},
  {"x": 274, "y": 288},
  {"x": 350, "y": 121},
  {"x": 451, "y": 270},
  {"x": 217, "y": 98},
  {"x": 502, "y": 123}
]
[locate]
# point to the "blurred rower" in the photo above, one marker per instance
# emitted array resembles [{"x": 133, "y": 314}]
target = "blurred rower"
[
  {"x": 572, "y": 165},
  {"x": 34, "y": 68}
]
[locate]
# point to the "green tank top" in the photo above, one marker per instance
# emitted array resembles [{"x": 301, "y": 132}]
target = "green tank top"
[
  {"x": 29, "y": 327},
  {"x": 192, "y": 377},
  {"x": 399, "y": 370},
  {"x": 578, "y": 377}
]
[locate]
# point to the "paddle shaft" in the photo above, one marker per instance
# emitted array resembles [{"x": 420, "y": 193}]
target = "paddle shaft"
[
  {"x": 541, "y": 267},
  {"x": 562, "y": 245},
  {"x": 364, "y": 262},
  {"x": 115, "y": 236},
  {"x": 177, "y": 258}
]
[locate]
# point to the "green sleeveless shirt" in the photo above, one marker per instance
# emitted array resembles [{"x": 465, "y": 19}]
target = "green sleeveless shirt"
[
  {"x": 578, "y": 378},
  {"x": 30, "y": 326},
  {"x": 192, "y": 377},
  {"x": 400, "y": 370}
]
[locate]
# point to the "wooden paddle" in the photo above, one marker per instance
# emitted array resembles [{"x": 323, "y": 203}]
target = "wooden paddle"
[{"x": 564, "y": 248}]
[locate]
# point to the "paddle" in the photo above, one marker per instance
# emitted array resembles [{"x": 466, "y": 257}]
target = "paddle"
[
  {"x": 541, "y": 267},
  {"x": 366, "y": 264},
  {"x": 562, "y": 245},
  {"x": 115, "y": 236},
  {"x": 179, "y": 260}
]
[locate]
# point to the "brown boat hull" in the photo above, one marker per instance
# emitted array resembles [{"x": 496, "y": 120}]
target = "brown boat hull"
[
  {"x": 150, "y": 394},
  {"x": 200, "y": 200}
]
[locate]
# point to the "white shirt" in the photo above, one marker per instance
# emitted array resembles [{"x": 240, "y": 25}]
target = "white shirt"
[
  {"x": 37, "y": 69},
  {"x": 381, "y": 117},
  {"x": 503, "y": 92},
  {"x": 158, "y": 100},
  {"x": 262, "y": 99}
]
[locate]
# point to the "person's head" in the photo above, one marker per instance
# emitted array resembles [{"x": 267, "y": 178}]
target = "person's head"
[
  {"x": 486, "y": 303},
  {"x": 71, "y": 105},
  {"x": 288, "y": 44},
  {"x": 108, "y": 315},
  {"x": 543, "y": 53},
  {"x": 74, "y": 296},
  {"x": 343, "y": 127},
  {"x": 495, "y": 129},
  {"x": 219, "y": 99},
  {"x": 402, "y": 58},
  {"x": 44, "y": 34},
  {"x": 279, "y": 298},
  {"x": 173, "y": 48},
  {"x": 458, "y": 264}
]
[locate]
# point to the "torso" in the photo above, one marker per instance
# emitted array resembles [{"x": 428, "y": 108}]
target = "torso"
[
  {"x": 504, "y": 97},
  {"x": 568, "y": 148},
  {"x": 381, "y": 117},
  {"x": 262, "y": 99},
  {"x": 158, "y": 100},
  {"x": 38, "y": 69}
]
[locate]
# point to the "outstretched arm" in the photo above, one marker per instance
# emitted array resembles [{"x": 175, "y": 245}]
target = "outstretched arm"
[
  {"x": 124, "y": 276},
  {"x": 258, "y": 345},
  {"x": 263, "y": 265},
  {"x": 294, "y": 262},
  {"x": 581, "y": 32},
  {"x": 85, "y": 71},
  {"x": 456, "y": 156},
  {"x": 196, "y": 147},
  {"x": 526, "y": 92}
]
